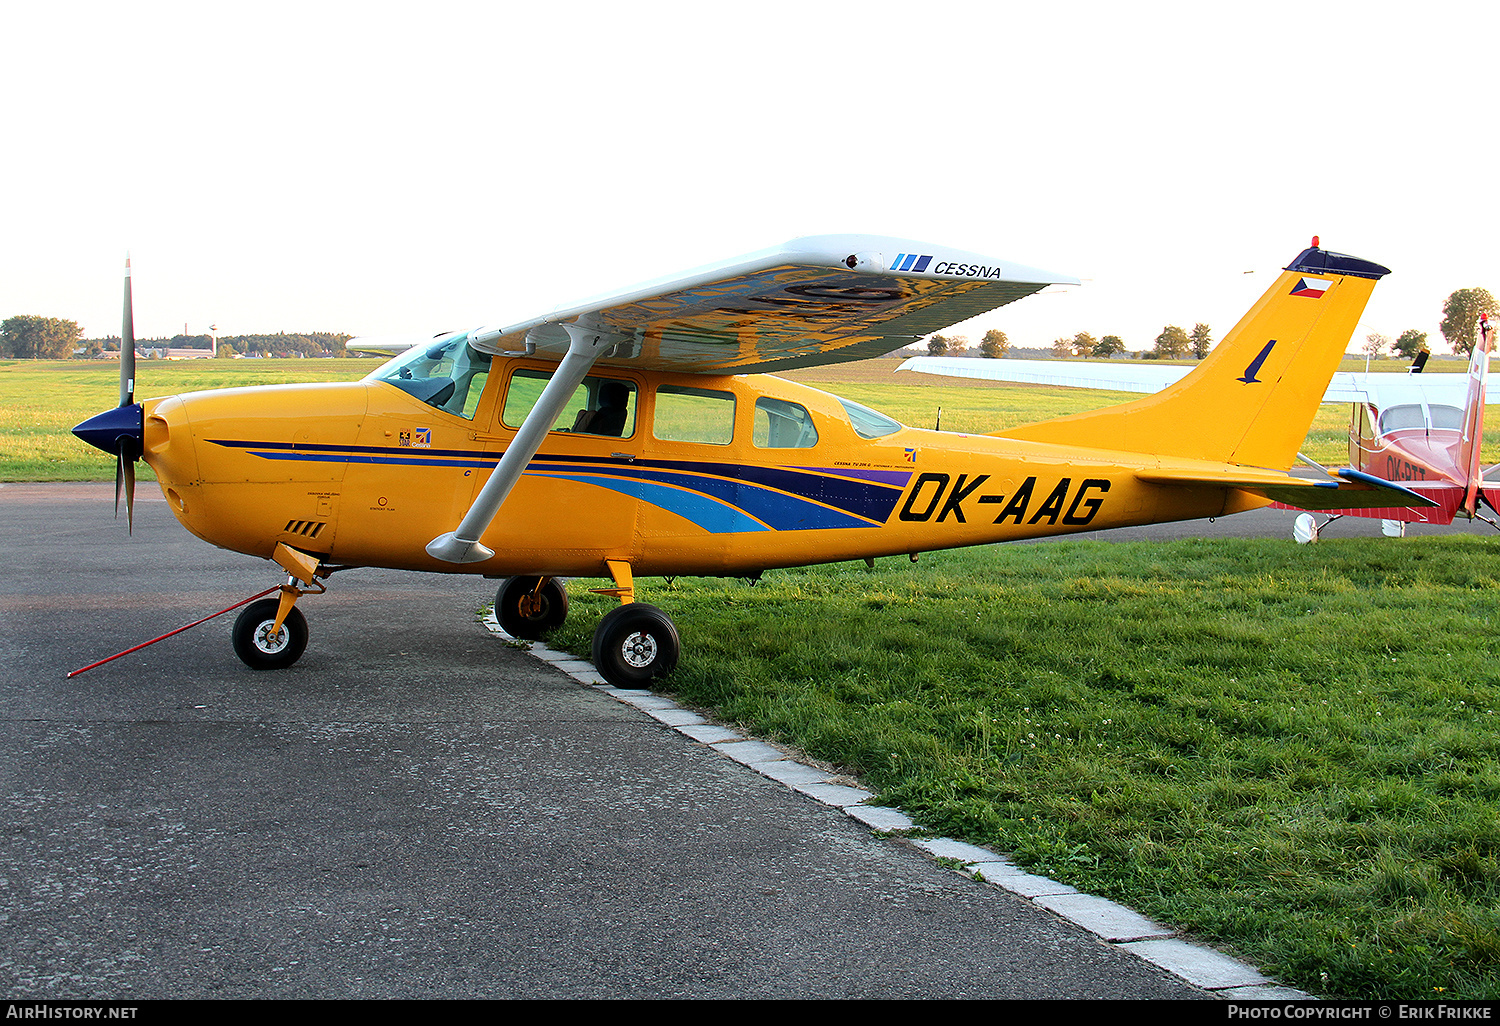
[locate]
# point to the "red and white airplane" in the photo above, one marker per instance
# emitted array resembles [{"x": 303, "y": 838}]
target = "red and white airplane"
[{"x": 1412, "y": 431}]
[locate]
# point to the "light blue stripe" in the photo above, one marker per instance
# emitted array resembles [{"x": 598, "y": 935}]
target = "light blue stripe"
[{"x": 710, "y": 514}]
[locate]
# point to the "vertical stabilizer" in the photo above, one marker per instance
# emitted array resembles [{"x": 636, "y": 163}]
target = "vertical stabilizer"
[{"x": 1252, "y": 400}]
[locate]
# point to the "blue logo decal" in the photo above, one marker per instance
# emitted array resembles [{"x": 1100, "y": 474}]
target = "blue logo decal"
[
  {"x": 910, "y": 262},
  {"x": 1249, "y": 377}
]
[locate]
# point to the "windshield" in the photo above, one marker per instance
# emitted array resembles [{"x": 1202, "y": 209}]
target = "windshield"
[
  {"x": 1450, "y": 417},
  {"x": 447, "y": 374},
  {"x": 1399, "y": 417}
]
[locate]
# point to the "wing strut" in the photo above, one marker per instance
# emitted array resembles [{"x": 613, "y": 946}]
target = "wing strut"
[{"x": 461, "y": 545}]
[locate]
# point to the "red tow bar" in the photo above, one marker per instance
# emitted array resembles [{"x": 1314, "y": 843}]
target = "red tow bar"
[{"x": 179, "y": 630}]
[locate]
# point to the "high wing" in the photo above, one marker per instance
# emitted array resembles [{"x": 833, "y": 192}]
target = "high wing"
[
  {"x": 815, "y": 300},
  {"x": 1382, "y": 389}
]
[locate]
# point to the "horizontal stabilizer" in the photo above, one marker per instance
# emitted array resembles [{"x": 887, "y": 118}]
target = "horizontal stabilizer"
[{"x": 1356, "y": 490}]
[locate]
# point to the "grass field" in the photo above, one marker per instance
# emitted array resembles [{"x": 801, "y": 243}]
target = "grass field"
[
  {"x": 41, "y": 400},
  {"x": 1288, "y": 751}
]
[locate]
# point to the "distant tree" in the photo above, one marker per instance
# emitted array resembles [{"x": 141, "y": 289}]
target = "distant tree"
[
  {"x": 1062, "y": 348},
  {"x": 1109, "y": 345},
  {"x": 225, "y": 352},
  {"x": 994, "y": 345},
  {"x": 1172, "y": 343},
  {"x": 957, "y": 344},
  {"x": 39, "y": 338},
  {"x": 1201, "y": 340},
  {"x": 1083, "y": 344},
  {"x": 1461, "y": 313},
  {"x": 1375, "y": 345},
  {"x": 1409, "y": 343},
  {"x": 937, "y": 345}
]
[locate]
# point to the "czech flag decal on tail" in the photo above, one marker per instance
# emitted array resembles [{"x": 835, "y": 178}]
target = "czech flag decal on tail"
[{"x": 1313, "y": 287}]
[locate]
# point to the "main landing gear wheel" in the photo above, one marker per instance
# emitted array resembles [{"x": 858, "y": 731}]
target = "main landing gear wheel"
[
  {"x": 257, "y": 647},
  {"x": 528, "y": 612},
  {"x": 635, "y": 643},
  {"x": 1305, "y": 529}
]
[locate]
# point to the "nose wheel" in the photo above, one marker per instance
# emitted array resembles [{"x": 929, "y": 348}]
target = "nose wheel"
[
  {"x": 262, "y": 647},
  {"x": 634, "y": 644}
]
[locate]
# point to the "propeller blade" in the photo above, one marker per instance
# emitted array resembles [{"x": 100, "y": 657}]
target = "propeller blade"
[
  {"x": 129, "y": 465},
  {"x": 127, "y": 346},
  {"x": 119, "y": 479}
]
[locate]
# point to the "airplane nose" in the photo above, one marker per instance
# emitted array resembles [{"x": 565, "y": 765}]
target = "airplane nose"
[{"x": 120, "y": 431}]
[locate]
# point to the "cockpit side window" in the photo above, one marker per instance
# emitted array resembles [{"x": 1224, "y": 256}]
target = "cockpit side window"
[
  {"x": 448, "y": 374},
  {"x": 599, "y": 406},
  {"x": 693, "y": 415}
]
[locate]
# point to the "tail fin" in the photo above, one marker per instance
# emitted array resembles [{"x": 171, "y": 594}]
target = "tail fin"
[
  {"x": 1473, "y": 436},
  {"x": 1251, "y": 401}
]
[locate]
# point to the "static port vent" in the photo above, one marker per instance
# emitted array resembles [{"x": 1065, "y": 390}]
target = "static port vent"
[{"x": 305, "y": 528}]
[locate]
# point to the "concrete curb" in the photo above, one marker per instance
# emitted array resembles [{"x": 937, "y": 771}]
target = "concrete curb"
[{"x": 1112, "y": 923}]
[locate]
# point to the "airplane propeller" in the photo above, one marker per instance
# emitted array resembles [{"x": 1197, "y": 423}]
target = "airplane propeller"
[{"x": 121, "y": 431}]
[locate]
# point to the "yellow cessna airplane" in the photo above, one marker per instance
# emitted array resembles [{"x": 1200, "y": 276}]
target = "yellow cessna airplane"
[{"x": 637, "y": 435}]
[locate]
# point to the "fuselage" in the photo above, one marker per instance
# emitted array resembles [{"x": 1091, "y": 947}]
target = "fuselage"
[{"x": 706, "y": 475}]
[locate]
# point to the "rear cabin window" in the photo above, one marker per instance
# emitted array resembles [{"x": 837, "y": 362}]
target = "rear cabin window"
[
  {"x": 599, "y": 406},
  {"x": 693, "y": 415},
  {"x": 866, "y": 422},
  {"x": 783, "y": 425}
]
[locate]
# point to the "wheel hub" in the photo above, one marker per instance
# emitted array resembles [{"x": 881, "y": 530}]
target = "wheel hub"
[
  {"x": 270, "y": 643},
  {"x": 639, "y": 649}
]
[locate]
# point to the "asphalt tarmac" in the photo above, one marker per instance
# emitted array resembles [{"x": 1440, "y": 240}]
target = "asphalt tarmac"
[{"x": 417, "y": 810}]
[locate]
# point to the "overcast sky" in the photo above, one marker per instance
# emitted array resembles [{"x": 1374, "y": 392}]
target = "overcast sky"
[{"x": 379, "y": 167}]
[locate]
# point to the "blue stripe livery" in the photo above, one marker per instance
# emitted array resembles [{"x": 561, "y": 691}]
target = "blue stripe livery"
[{"x": 721, "y": 498}]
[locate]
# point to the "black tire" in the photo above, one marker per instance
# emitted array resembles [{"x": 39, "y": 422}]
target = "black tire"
[
  {"x": 252, "y": 641},
  {"x": 526, "y": 612},
  {"x": 634, "y": 644}
]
